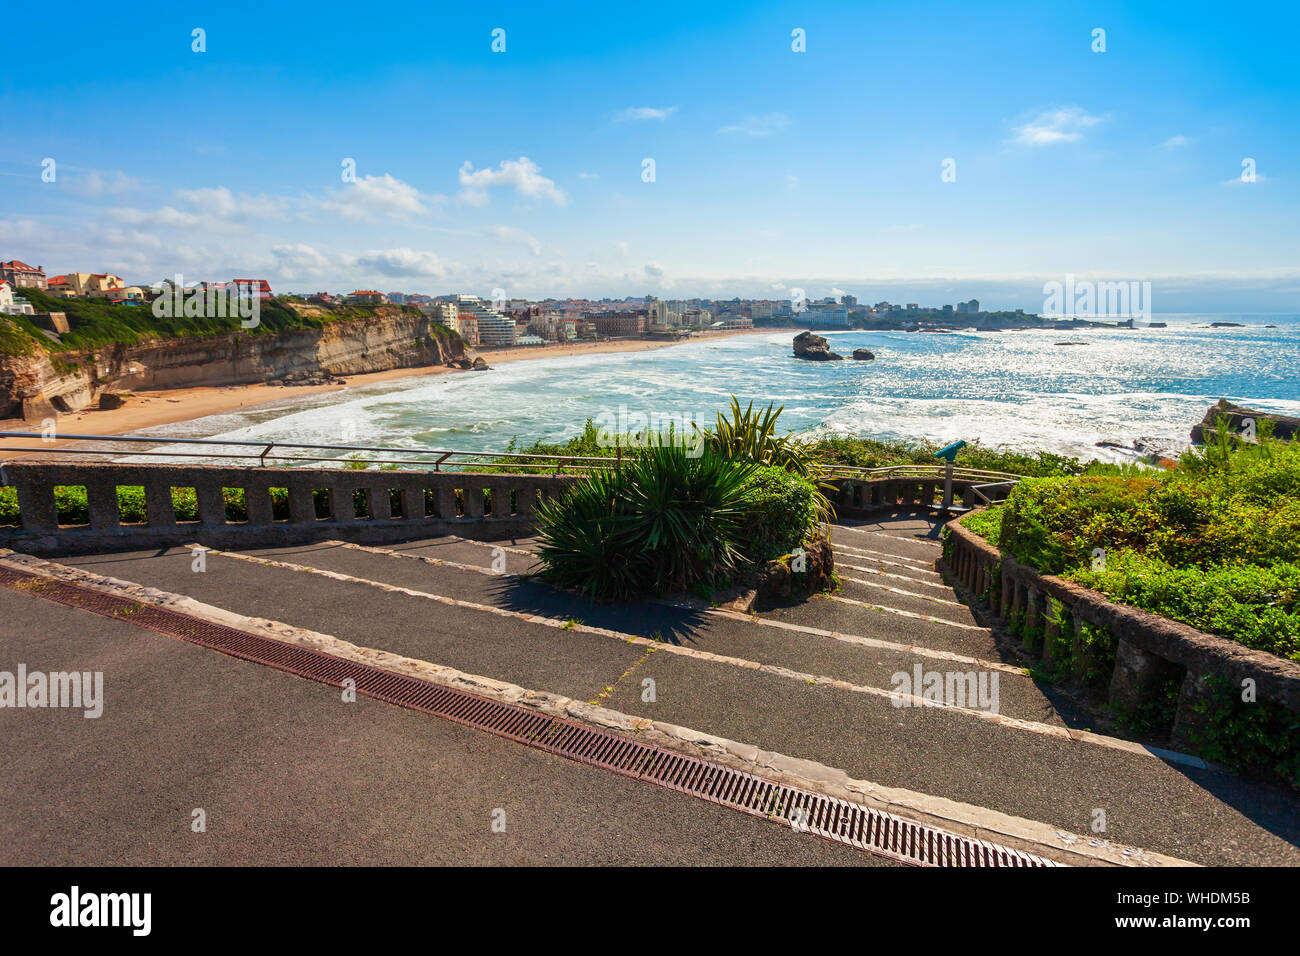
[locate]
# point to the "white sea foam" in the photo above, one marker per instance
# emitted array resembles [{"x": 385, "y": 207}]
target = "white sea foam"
[{"x": 1015, "y": 389}]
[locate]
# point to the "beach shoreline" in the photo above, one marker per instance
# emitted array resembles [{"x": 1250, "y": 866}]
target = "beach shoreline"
[{"x": 167, "y": 406}]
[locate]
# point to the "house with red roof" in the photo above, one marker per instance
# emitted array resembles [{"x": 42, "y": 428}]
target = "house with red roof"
[
  {"x": 248, "y": 288},
  {"x": 20, "y": 275}
]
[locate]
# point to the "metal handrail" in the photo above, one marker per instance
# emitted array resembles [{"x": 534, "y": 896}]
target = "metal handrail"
[
  {"x": 575, "y": 462},
  {"x": 918, "y": 471},
  {"x": 266, "y": 450}
]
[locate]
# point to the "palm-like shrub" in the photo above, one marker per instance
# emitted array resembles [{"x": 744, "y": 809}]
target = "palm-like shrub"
[
  {"x": 663, "y": 521},
  {"x": 750, "y": 435}
]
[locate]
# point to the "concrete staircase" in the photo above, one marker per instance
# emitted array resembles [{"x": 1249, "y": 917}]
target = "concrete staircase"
[{"x": 815, "y": 681}]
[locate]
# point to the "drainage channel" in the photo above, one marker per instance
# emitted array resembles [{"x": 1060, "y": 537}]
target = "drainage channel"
[{"x": 839, "y": 821}]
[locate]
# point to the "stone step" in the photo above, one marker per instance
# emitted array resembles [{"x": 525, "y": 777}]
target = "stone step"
[{"x": 1041, "y": 772}]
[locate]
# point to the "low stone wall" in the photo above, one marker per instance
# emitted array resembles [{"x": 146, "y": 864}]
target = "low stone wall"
[
  {"x": 458, "y": 505},
  {"x": 1149, "y": 648},
  {"x": 861, "y": 496}
]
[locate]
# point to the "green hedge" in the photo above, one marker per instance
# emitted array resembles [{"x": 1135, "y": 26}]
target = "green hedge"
[
  {"x": 1214, "y": 543},
  {"x": 780, "y": 511}
]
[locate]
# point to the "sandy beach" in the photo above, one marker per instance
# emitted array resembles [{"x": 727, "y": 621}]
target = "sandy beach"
[{"x": 145, "y": 409}]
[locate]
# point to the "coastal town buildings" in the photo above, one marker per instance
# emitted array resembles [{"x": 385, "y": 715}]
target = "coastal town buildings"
[
  {"x": 85, "y": 285},
  {"x": 834, "y": 316},
  {"x": 493, "y": 327},
  {"x": 20, "y": 275},
  {"x": 12, "y": 303},
  {"x": 618, "y": 323},
  {"x": 252, "y": 288}
]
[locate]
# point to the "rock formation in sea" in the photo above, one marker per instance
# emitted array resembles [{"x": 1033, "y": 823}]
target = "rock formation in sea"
[
  {"x": 1236, "y": 416},
  {"x": 813, "y": 347}
]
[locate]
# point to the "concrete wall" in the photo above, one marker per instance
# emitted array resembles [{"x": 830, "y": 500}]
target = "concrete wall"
[{"x": 512, "y": 500}]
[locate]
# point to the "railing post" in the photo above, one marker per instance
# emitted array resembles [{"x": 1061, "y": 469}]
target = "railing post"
[
  {"x": 444, "y": 497},
  {"x": 212, "y": 504},
  {"x": 257, "y": 499},
  {"x": 1033, "y": 616},
  {"x": 473, "y": 492},
  {"x": 1196, "y": 703},
  {"x": 101, "y": 499},
  {"x": 342, "y": 508},
  {"x": 302, "y": 503},
  {"x": 1051, "y": 628},
  {"x": 412, "y": 503},
  {"x": 1137, "y": 676},
  {"x": 381, "y": 506},
  {"x": 36, "y": 508},
  {"x": 159, "y": 508},
  {"x": 1081, "y": 664}
]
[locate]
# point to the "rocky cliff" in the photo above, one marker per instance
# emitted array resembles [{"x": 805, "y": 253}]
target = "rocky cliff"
[{"x": 38, "y": 385}]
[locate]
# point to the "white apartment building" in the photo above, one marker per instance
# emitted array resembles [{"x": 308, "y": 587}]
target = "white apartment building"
[{"x": 493, "y": 327}]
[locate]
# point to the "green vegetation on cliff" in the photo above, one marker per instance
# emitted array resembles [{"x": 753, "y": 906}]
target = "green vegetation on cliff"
[{"x": 95, "y": 322}]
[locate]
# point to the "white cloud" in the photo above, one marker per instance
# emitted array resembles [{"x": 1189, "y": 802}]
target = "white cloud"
[
  {"x": 402, "y": 263},
  {"x": 758, "y": 126},
  {"x": 622, "y": 247},
  {"x": 374, "y": 196},
  {"x": 654, "y": 271},
  {"x": 20, "y": 230},
  {"x": 221, "y": 203},
  {"x": 167, "y": 216},
  {"x": 1064, "y": 125},
  {"x": 94, "y": 184},
  {"x": 209, "y": 207},
  {"x": 511, "y": 234},
  {"x": 522, "y": 174},
  {"x": 1175, "y": 141},
  {"x": 588, "y": 175},
  {"x": 298, "y": 259},
  {"x": 645, "y": 113},
  {"x": 1238, "y": 181}
]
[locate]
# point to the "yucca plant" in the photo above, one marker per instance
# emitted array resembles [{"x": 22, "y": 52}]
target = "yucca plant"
[
  {"x": 582, "y": 539},
  {"x": 687, "y": 511},
  {"x": 750, "y": 435},
  {"x": 664, "y": 521}
]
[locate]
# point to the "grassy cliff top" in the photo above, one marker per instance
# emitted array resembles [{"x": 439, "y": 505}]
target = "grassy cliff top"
[{"x": 95, "y": 322}]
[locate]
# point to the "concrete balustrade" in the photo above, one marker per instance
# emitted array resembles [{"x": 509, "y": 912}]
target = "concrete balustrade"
[
  {"x": 1150, "y": 650},
  {"x": 512, "y": 505},
  {"x": 860, "y": 496}
]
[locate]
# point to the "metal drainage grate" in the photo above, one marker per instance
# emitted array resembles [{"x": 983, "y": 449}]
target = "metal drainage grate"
[{"x": 833, "y": 819}]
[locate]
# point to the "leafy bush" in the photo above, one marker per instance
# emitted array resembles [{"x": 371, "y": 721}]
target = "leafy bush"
[
  {"x": 1214, "y": 543},
  {"x": 663, "y": 521},
  {"x": 780, "y": 510},
  {"x": 1258, "y": 607},
  {"x": 877, "y": 453},
  {"x": 72, "y": 507},
  {"x": 1261, "y": 738}
]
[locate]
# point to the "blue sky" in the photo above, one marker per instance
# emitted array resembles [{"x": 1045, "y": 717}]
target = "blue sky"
[{"x": 524, "y": 169}]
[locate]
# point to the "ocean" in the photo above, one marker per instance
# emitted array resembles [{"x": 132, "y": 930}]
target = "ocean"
[{"x": 1020, "y": 390}]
